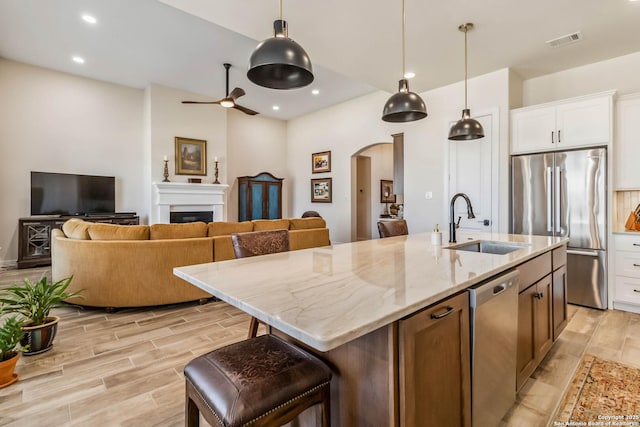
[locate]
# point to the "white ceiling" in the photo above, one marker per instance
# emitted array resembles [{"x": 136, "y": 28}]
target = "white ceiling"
[{"x": 355, "y": 45}]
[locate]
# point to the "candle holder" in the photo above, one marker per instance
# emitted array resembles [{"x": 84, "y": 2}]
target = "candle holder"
[
  {"x": 216, "y": 173},
  {"x": 166, "y": 171}
]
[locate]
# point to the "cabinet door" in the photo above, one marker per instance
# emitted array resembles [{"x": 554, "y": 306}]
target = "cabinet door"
[
  {"x": 584, "y": 122},
  {"x": 256, "y": 200},
  {"x": 526, "y": 355},
  {"x": 535, "y": 328},
  {"x": 627, "y": 150},
  {"x": 435, "y": 385},
  {"x": 533, "y": 130},
  {"x": 543, "y": 318},
  {"x": 274, "y": 205},
  {"x": 559, "y": 301}
]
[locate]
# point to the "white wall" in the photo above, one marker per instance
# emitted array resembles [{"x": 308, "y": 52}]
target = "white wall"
[
  {"x": 169, "y": 118},
  {"x": 619, "y": 73},
  {"x": 256, "y": 144},
  {"x": 348, "y": 127},
  {"x": 56, "y": 122}
]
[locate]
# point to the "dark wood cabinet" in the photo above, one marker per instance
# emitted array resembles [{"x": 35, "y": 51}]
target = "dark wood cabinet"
[
  {"x": 259, "y": 197},
  {"x": 535, "y": 332},
  {"x": 34, "y": 238},
  {"x": 434, "y": 361}
]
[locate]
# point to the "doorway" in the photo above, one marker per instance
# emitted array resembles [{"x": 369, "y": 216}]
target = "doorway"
[
  {"x": 369, "y": 166},
  {"x": 363, "y": 198},
  {"x": 473, "y": 170}
]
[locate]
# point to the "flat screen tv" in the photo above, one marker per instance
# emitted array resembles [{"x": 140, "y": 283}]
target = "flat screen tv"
[{"x": 69, "y": 194}]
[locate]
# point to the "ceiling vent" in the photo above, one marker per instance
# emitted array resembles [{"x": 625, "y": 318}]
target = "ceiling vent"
[{"x": 565, "y": 40}]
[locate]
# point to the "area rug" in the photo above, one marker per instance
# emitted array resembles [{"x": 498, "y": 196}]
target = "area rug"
[{"x": 602, "y": 392}]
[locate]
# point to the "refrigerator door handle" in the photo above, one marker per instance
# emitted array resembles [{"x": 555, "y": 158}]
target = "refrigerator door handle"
[
  {"x": 549, "y": 205},
  {"x": 583, "y": 253},
  {"x": 557, "y": 204}
]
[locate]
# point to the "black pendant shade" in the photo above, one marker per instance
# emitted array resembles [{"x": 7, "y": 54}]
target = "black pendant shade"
[
  {"x": 466, "y": 128},
  {"x": 279, "y": 62},
  {"x": 404, "y": 106}
]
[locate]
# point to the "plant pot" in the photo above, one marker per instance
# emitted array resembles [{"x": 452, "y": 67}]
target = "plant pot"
[
  {"x": 7, "y": 374},
  {"x": 40, "y": 338}
]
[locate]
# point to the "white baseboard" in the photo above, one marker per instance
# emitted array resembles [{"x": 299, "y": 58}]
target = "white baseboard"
[
  {"x": 9, "y": 263},
  {"x": 626, "y": 307}
]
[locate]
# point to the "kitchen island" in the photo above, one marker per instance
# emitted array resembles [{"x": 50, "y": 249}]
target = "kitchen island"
[{"x": 355, "y": 305}]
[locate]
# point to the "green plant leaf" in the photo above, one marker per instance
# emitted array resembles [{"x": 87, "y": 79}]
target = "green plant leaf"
[
  {"x": 34, "y": 301},
  {"x": 10, "y": 335}
]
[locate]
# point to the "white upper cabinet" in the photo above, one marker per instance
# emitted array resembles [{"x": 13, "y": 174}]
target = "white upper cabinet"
[
  {"x": 562, "y": 125},
  {"x": 627, "y": 146}
]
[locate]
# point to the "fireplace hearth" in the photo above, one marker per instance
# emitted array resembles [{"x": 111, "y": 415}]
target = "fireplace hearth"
[{"x": 188, "y": 201}]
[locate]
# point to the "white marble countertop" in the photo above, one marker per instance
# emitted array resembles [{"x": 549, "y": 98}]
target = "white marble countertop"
[{"x": 328, "y": 296}]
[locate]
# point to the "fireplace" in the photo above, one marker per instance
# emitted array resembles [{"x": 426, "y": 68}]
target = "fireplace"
[
  {"x": 190, "y": 216},
  {"x": 181, "y": 199}
]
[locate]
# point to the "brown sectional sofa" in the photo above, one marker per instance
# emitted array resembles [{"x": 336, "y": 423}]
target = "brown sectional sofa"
[{"x": 132, "y": 265}]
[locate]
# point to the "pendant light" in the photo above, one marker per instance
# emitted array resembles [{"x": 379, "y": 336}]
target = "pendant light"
[
  {"x": 404, "y": 106},
  {"x": 279, "y": 62},
  {"x": 466, "y": 128}
]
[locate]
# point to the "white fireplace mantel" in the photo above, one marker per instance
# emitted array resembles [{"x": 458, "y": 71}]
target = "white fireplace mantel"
[{"x": 182, "y": 197}]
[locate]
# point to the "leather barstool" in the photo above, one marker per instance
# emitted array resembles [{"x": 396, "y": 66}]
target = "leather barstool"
[
  {"x": 393, "y": 228},
  {"x": 263, "y": 381},
  {"x": 254, "y": 243}
]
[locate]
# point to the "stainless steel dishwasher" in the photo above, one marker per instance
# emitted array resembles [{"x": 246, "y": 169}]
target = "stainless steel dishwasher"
[{"x": 494, "y": 338}]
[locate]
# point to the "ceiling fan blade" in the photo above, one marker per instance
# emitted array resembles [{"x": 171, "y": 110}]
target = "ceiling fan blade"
[
  {"x": 201, "y": 102},
  {"x": 245, "y": 110},
  {"x": 236, "y": 93}
]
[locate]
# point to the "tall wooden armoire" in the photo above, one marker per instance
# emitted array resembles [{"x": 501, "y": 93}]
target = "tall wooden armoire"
[{"x": 259, "y": 197}]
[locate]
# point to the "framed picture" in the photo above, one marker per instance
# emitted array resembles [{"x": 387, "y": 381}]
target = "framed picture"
[
  {"x": 386, "y": 191},
  {"x": 321, "y": 190},
  {"x": 191, "y": 156},
  {"x": 321, "y": 162}
]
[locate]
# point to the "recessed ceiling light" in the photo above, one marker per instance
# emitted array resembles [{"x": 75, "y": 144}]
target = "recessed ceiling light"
[
  {"x": 78, "y": 60},
  {"x": 315, "y": 91},
  {"x": 89, "y": 19},
  {"x": 409, "y": 75},
  {"x": 275, "y": 108}
]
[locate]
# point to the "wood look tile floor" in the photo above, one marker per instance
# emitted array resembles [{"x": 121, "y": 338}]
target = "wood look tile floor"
[{"x": 125, "y": 368}]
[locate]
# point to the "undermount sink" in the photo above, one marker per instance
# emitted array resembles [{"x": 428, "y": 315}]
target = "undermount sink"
[{"x": 487, "y": 247}]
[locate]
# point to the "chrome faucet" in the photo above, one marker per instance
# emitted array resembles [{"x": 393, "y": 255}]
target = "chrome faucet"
[{"x": 452, "y": 224}]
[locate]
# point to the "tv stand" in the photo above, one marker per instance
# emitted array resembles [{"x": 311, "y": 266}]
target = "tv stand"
[{"x": 34, "y": 235}]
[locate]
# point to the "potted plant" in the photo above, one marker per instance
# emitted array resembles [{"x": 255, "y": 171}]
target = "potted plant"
[
  {"x": 34, "y": 302},
  {"x": 393, "y": 209},
  {"x": 10, "y": 336}
]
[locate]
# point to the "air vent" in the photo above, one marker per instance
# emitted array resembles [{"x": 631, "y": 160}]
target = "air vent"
[{"x": 565, "y": 40}]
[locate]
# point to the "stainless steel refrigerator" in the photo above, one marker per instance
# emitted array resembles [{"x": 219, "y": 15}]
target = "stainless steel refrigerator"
[{"x": 564, "y": 194}]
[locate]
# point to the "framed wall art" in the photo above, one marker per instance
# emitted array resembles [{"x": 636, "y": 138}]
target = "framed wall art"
[
  {"x": 191, "y": 156},
  {"x": 321, "y": 162},
  {"x": 321, "y": 190},
  {"x": 386, "y": 191}
]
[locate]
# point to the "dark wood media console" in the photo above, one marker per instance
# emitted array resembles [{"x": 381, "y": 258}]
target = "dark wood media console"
[{"x": 34, "y": 239}]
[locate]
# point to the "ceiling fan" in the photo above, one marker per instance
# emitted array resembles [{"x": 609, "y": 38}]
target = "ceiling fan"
[{"x": 229, "y": 101}]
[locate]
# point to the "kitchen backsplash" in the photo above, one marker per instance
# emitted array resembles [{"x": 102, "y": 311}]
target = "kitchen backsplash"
[{"x": 624, "y": 202}]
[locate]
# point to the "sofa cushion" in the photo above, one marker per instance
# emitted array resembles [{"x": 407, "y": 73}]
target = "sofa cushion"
[
  {"x": 76, "y": 229},
  {"x": 312, "y": 238},
  {"x": 98, "y": 231},
  {"x": 306, "y": 223},
  {"x": 178, "y": 231},
  {"x": 228, "y": 228},
  {"x": 270, "y": 224}
]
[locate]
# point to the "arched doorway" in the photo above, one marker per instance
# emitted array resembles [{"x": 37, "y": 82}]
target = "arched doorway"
[{"x": 369, "y": 166}]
